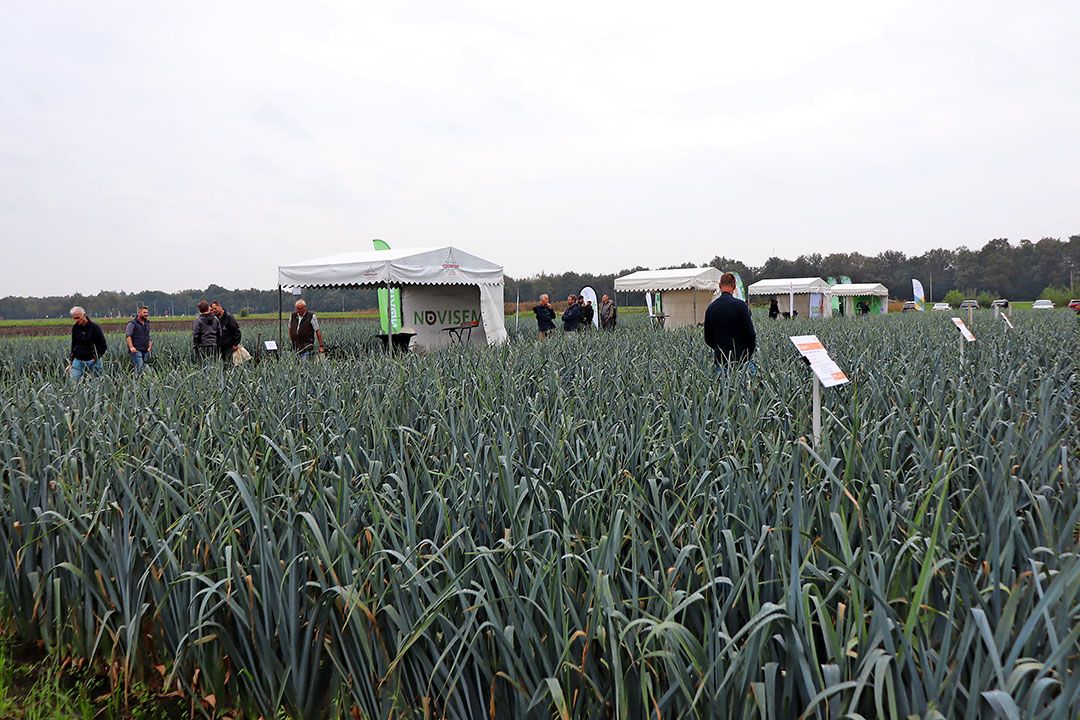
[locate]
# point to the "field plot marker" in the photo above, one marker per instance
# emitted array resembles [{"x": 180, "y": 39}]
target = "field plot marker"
[
  {"x": 826, "y": 373},
  {"x": 965, "y": 335}
]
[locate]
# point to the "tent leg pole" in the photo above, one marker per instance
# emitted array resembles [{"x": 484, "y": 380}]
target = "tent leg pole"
[{"x": 279, "y": 320}]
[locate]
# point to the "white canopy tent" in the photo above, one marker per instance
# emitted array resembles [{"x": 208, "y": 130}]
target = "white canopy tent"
[
  {"x": 875, "y": 295},
  {"x": 440, "y": 287},
  {"x": 807, "y": 296},
  {"x": 686, "y": 292}
]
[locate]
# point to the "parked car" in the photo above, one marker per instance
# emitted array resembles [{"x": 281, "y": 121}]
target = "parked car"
[
  {"x": 1001, "y": 303},
  {"x": 973, "y": 304},
  {"x": 941, "y": 307},
  {"x": 1042, "y": 305},
  {"x": 910, "y": 306},
  {"x": 1074, "y": 305}
]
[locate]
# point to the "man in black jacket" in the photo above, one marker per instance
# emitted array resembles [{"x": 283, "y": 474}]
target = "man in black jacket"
[
  {"x": 571, "y": 317},
  {"x": 87, "y": 344},
  {"x": 229, "y": 337},
  {"x": 729, "y": 330},
  {"x": 205, "y": 333},
  {"x": 545, "y": 316}
]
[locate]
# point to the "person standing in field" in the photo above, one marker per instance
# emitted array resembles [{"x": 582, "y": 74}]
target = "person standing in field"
[
  {"x": 205, "y": 333},
  {"x": 87, "y": 345},
  {"x": 137, "y": 336},
  {"x": 774, "y": 308},
  {"x": 587, "y": 313},
  {"x": 571, "y": 317},
  {"x": 545, "y": 316},
  {"x": 729, "y": 329},
  {"x": 608, "y": 313},
  {"x": 304, "y": 331},
  {"x": 229, "y": 339}
]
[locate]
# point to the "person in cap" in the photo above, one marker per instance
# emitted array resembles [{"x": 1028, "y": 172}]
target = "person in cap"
[{"x": 87, "y": 344}]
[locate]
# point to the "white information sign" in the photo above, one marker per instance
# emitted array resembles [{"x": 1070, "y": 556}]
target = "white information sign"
[
  {"x": 270, "y": 345},
  {"x": 963, "y": 329},
  {"x": 1008, "y": 322},
  {"x": 823, "y": 366}
]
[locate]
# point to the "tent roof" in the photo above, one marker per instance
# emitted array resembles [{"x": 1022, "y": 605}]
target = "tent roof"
[
  {"x": 704, "y": 278},
  {"x": 443, "y": 265},
  {"x": 860, "y": 289},
  {"x": 783, "y": 286}
]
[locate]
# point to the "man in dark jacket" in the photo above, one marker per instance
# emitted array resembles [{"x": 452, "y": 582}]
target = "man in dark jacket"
[
  {"x": 205, "y": 333},
  {"x": 87, "y": 344},
  {"x": 545, "y": 316},
  {"x": 729, "y": 330},
  {"x": 137, "y": 337},
  {"x": 304, "y": 331},
  {"x": 571, "y": 317},
  {"x": 587, "y": 313},
  {"x": 229, "y": 338},
  {"x": 608, "y": 313}
]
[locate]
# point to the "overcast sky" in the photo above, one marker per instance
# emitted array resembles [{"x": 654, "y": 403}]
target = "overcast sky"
[{"x": 153, "y": 145}]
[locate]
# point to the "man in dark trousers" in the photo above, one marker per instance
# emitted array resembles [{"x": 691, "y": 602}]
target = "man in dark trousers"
[
  {"x": 205, "y": 332},
  {"x": 304, "y": 331},
  {"x": 545, "y": 316},
  {"x": 87, "y": 344},
  {"x": 729, "y": 330},
  {"x": 229, "y": 337},
  {"x": 571, "y": 317}
]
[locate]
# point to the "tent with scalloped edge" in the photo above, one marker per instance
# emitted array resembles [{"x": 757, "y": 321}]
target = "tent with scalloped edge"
[
  {"x": 807, "y": 296},
  {"x": 851, "y": 295},
  {"x": 684, "y": 293},
  {"x": 441, "y": 287}
]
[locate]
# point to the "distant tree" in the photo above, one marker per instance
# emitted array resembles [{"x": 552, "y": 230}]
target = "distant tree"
[
  {"x": 954, "y": 298},
  {"x": 985, "y": 299},
  {"x": 1060, "y": 296}
]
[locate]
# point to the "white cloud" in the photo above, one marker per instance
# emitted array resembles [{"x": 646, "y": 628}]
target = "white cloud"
[{"x": 218, "y": 140}]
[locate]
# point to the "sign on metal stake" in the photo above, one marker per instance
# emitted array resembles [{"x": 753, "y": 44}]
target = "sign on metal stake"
[
  {"x": 965, "y": 335},
  {"x": 817, "y": 412},
  {"x": 826, "y": 374}
]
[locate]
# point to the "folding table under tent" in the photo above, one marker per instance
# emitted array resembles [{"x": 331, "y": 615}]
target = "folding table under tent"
[
  {"x": 685, "y": 292},
  {"x": 809, "y": 297},
  {"x": 875, "y": 295},
  {"x": 441, "y": 287}
]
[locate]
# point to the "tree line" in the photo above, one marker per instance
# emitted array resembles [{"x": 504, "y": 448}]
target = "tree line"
[{"x": 1021, "y": 271}]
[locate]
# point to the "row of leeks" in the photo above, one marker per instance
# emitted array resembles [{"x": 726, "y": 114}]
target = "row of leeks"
[{"x": 590, "y": 526}]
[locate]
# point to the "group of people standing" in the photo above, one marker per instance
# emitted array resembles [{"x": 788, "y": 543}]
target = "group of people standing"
[
  {"x": 214, "y": 333},
  {"x": 577, "y": 317},
  {"x": 729, "y": 329}
]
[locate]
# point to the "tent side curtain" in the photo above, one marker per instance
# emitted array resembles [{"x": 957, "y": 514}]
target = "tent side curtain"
[
  {"x": 492, "y": 313},
  {"x": 707, "y": 278}
]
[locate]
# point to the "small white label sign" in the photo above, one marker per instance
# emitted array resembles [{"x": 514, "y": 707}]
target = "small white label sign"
[
  {"x": 963, "y": 329},
  {"x": 1007, "y": 321},
  {"x": 270, "y": 345},
  {"x": 824, "y": 367}
]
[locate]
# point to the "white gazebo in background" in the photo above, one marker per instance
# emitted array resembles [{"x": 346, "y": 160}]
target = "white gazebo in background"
[
  {"x": 441, "y": 287},
  {"x": 809, "y": 297},
  {"x": 684, "y": 293},
  {"x": 875, "y": 295}
]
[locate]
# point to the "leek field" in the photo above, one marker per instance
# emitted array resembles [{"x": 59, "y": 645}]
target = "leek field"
[{"x": 588, "y": 527}]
